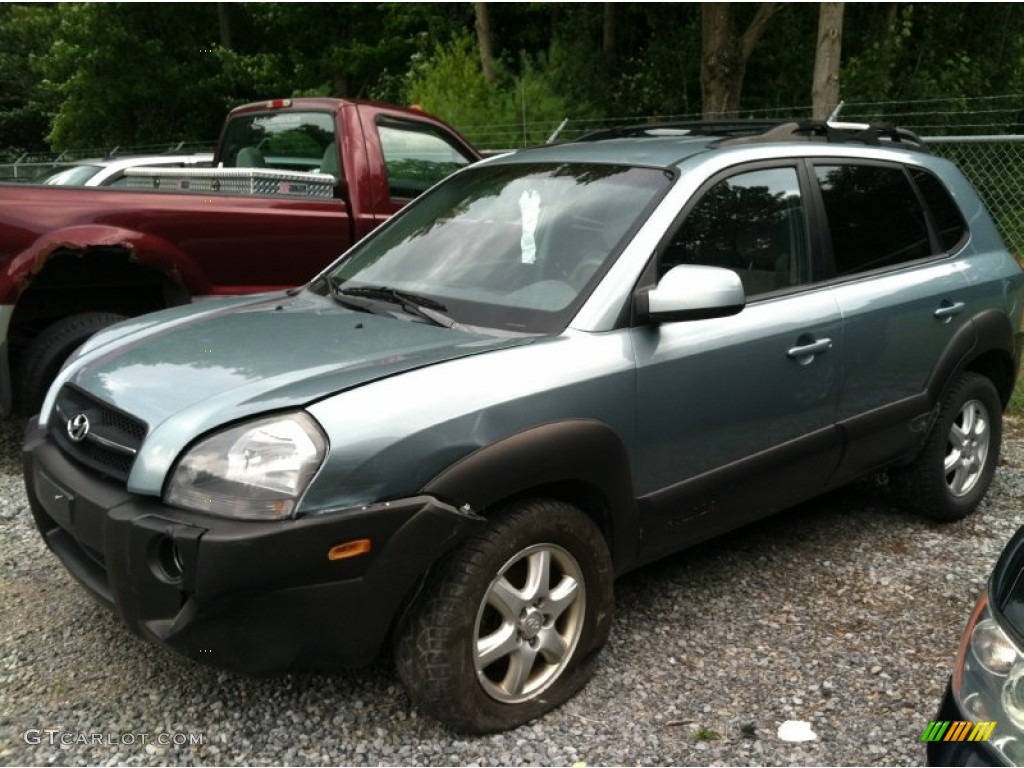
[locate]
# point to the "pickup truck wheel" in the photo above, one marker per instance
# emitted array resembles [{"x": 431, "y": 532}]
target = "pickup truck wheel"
[
  {"x": 950, "y": 476},
  {"x": 509, "y": 625},
  {"x": 47, "y": 352}
]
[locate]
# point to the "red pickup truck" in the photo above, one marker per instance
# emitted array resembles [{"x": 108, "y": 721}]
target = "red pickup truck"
[{"x": 294, "y": 183}]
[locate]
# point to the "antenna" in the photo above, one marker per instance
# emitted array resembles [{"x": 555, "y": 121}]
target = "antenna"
[{"x": 835, "y": 112}]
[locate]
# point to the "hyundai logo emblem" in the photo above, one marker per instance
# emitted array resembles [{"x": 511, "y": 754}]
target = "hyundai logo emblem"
[{"x": 78, "y": 427}]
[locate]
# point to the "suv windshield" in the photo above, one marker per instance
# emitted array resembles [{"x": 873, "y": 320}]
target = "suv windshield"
[{"x": 513, "y": 247}]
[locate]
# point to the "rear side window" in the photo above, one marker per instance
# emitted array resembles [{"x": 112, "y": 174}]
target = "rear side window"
[
  {"x": 874, "y": 217},
  {"x": 946, "y": 215}
]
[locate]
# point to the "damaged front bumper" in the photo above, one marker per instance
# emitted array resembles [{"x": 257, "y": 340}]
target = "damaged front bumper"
[{"x": 261, "y": 598}]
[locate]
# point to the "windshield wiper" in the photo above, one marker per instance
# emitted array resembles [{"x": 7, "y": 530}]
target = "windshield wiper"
[{"x": 422, "y": 307}]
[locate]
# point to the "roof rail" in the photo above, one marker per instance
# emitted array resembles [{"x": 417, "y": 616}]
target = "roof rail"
[
  {"x": 732, "y": 132},
  {"x": 683, "y": 128}
]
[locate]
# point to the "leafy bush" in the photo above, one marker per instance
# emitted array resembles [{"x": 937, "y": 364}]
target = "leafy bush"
[{"x": 519, "y": 109}]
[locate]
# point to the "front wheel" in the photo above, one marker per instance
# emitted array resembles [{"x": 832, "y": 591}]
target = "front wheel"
[
  {"x": 951, "y": 475},
  {"x": 509, "y": 625}
]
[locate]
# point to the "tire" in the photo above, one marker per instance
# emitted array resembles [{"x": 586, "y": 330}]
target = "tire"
[
  {"x": 492, "y": 644},
  {"x": 47, "y": 352},
  {"x": 952, "y": 473}
]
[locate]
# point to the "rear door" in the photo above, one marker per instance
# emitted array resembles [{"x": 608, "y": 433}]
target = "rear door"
[{"x": 890, "y": 231}]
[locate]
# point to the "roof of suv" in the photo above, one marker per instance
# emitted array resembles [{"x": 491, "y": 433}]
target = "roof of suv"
[{"x": 667, "y": 144}]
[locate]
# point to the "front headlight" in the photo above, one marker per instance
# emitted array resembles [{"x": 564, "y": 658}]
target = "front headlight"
[
  {"x": 253, "y": 471},
  {"x": 988, "y": 682}
]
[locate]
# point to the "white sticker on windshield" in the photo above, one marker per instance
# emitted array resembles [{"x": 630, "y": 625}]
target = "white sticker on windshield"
[{"x": 529, "y": 206}]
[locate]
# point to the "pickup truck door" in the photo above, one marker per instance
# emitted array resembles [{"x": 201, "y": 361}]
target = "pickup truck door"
[
  {"x": 406, "y": 157},
  {"x": 246, "y": 244}
]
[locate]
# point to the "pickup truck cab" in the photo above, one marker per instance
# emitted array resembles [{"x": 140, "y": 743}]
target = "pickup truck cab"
[{"x": 295, "y": 182}]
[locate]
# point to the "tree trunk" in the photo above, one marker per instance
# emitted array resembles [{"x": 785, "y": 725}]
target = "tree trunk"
[
  {"x": 609, "y": 33},
  {"x": 483, "y": 38},
  {"x": 725, "y": 56},
  {"x": 825, "y": 84},
  {"x": 224, "y": 20}
]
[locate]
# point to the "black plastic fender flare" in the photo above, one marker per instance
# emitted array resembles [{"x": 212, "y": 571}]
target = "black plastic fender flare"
[
  {"x": 988, "y": 331},
  {"x": 575, "y": 450}
]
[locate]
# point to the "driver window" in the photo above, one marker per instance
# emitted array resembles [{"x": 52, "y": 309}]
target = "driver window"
[{"x": 752, "y": 223}]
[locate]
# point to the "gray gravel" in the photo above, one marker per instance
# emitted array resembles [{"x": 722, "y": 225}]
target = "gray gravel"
[{"x": 845, "y": 613}]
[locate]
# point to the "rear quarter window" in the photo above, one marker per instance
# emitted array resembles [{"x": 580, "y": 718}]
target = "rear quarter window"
[{"x": 949, "y": 222}]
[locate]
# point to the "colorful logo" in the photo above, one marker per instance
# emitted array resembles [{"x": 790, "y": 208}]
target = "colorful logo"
[{"x": 958, "y": 730}]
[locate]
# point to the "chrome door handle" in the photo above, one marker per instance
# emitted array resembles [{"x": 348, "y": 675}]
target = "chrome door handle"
[
  {"x": 948, "y": 310},
  {"x": 805, "y": 350}
]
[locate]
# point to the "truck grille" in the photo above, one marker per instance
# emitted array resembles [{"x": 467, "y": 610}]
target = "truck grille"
[{"x": 96, "y": 434}]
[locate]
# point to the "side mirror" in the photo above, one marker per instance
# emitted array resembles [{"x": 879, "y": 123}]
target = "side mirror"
[{"x": 692, "y": 292}]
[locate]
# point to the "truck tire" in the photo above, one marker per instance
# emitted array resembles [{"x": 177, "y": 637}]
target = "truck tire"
[
  {"x": 508, "y": 627},
  {"x": 950, "y": 476},
  {"x": 47, "y": 352}
]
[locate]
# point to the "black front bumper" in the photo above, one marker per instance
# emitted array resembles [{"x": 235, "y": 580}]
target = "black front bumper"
[
  {"x": 257, "y": 597},
  {"x": 958, "y": 752}
]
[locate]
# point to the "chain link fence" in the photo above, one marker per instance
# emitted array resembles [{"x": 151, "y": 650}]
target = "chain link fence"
[
  {"x": 31, "y": 165},
  {"x": 995, "y": 166}
]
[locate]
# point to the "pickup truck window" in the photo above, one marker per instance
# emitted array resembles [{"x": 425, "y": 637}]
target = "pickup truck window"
[
  {"x": 416, "y": 158},
  {"x": 291, "y": 141}
]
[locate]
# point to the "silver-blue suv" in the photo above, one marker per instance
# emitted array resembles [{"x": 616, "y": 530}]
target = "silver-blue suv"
[{"x": 556, "y": 366}]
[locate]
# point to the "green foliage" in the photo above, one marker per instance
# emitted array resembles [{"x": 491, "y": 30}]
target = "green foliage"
[
  {"x": 948, "y": 52},
  {"x": 133, "y": 73},
  {"x": 1016, "y": 406},
  {"x": 524, "y": 106},
  {"x": 25, "y": 31},
  {"x": 706, "y": 734}
]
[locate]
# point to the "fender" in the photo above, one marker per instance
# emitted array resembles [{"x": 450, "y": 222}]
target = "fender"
[
  {"x": 988, "y": 331},
  {"x": 577, "y": 450},
  {"x": 143, "y": 248}
]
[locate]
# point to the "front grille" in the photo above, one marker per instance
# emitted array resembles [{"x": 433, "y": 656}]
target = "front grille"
[{"x": 110, "y": 442}]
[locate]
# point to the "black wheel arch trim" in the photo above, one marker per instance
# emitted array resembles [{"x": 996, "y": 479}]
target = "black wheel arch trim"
[
  {"x": 988, "y": 331},
  {"x": 540, "y": 458}
]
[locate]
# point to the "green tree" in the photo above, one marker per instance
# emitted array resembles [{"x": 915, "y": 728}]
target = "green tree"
[
  {"x": 26, "y": 30},
  {"x": 920, "y": 51},
  {"x": 519, "y": 108},
  {"x": 133, "y": 73}
]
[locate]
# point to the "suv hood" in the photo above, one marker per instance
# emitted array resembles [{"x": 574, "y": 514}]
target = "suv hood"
[{"x": 208, "y": 367}]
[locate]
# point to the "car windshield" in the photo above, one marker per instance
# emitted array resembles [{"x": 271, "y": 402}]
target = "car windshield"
[
  {"x": 71, "y": 175},
  {"x": 516, "y": 247}
]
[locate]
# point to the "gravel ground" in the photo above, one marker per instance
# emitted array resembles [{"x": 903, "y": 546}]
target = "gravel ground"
[{"x": 845, "y": 613}]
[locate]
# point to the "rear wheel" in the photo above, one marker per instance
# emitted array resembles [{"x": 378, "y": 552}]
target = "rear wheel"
[
  {"x": 509, "y": 625},
  {"x": 47, "y": 352},
  {"x": 954, "y": 469}
]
